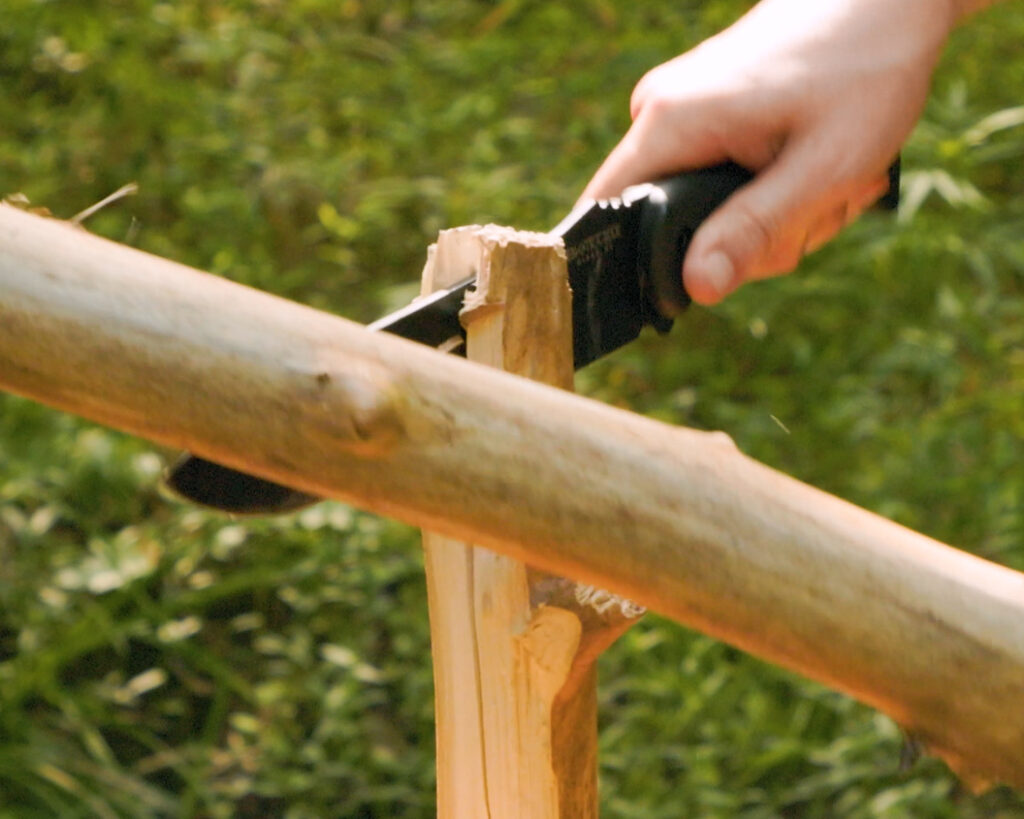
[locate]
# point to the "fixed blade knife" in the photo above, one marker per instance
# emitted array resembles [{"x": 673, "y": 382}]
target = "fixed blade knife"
[{"x": 624, "y": 256}]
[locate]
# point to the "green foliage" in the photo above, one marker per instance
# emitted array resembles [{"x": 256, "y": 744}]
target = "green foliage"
[{"x": 159, "y": 661}]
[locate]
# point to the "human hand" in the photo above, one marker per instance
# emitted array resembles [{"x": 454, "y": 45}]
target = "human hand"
[{"x": 814, "y": 96}]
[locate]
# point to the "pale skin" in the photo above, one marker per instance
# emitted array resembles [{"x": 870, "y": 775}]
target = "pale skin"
[{"x": 815, "y": 96}]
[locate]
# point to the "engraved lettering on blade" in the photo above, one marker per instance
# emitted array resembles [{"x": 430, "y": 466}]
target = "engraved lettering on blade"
[
  {"x": 596, "y": 245},
  {"x": 595, "y": 320}
]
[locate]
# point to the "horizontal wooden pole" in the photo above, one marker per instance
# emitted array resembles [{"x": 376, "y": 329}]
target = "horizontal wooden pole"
[{"x": 675, "y": 519}]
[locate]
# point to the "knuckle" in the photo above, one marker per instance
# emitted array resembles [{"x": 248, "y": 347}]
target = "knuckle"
[
  {"x": 641, "y": 92},
  {"x": 758, "y": 228},
  {"x": 648, "y": 93},
  {"x": 655, "y": 105}
]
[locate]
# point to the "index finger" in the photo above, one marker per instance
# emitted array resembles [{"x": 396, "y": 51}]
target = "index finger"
[{"x": 650, "y": 151}]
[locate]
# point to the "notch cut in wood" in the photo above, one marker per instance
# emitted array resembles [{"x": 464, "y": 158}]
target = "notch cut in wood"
[{"x": 514, "y": 649}]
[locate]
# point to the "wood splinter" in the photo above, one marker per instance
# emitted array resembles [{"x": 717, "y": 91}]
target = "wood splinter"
[{"x": 514, "y": 648}]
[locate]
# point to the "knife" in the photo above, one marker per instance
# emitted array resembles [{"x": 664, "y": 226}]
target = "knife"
[{"x": 625, "y": 257}]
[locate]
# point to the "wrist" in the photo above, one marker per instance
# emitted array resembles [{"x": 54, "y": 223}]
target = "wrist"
[{"x": 965, "y": 8}]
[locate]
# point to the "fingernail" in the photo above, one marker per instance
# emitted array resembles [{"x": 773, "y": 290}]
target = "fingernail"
[{"x": 718, "y": 272}]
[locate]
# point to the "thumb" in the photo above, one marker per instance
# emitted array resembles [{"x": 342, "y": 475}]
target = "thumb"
[{"x": 761, "y": 230}]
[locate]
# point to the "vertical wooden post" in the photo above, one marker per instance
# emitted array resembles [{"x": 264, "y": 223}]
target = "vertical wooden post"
[{"x": 513, "y": 649}]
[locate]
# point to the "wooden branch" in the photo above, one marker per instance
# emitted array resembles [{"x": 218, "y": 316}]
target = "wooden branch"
[
  {"x": 529, "y": 746},
  {"x": 676, "y": 519},
  {"x": 462, "y": 775}
]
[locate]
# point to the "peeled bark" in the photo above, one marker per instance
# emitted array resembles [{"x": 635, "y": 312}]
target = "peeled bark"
[{"x": 675, "y": 519}]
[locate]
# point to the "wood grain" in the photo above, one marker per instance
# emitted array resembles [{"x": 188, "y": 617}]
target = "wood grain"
[
  {"x": 676, "y": 519},
  {"x": 524, "y": 644}
]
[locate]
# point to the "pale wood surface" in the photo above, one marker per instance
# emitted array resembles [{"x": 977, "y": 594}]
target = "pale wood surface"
[
  {"x": 676, "y": 519},
  {"x": 458, "y": 698},
  {"x": 532, "y": 733}
]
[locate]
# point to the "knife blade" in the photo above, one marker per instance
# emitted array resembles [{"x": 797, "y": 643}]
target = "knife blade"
[{"x": 624, "y": 258}]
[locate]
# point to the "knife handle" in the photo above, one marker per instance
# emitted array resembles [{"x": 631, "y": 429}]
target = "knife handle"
[{"x": 672, "y": 211}]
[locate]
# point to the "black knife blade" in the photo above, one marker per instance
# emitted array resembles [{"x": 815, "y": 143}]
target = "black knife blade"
[{"x": 624, "y": 258}]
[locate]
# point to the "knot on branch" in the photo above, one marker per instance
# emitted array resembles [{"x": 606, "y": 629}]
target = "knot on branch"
[{"x": 365, "y": 419}]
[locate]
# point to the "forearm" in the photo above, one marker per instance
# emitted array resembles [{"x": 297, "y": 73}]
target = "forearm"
[
  {"x": 965, "y": 8},
  {"x": 815, "y": 96}
]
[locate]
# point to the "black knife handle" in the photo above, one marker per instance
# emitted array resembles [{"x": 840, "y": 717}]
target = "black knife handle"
[
  {"x": 891, "y": 198},
  {"x": 673, "y": 210}
]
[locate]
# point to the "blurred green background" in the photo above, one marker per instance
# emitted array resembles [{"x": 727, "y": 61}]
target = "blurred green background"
[{"x": 159, "y": 661}]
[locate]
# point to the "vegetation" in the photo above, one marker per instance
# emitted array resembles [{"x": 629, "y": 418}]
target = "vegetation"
[{"x": 159, "y": 661}]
